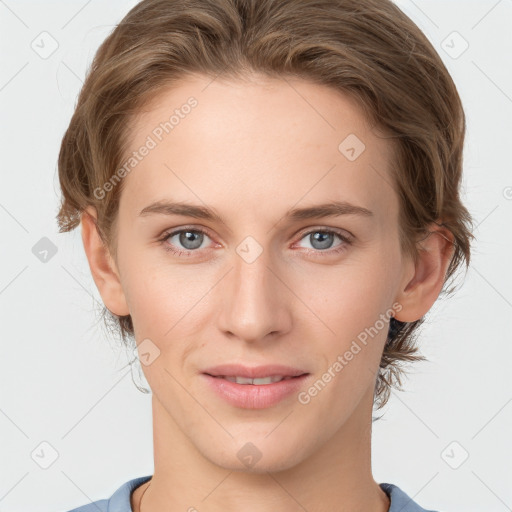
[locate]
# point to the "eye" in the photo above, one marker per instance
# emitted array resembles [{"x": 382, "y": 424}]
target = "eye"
[
  {"x": 321, "y": 240},
  {"x": 188, "y": 239}
]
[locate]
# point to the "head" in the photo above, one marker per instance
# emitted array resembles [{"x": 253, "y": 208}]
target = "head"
[{"x": 252, "y": 110}]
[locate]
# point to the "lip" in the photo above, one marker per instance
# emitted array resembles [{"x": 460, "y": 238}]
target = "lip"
[
  {"x": 250, "y": 396},
  {"x": 253, "y": 372}
]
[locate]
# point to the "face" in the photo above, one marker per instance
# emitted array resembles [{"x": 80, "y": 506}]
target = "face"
[{"x": 265, "y": 279}]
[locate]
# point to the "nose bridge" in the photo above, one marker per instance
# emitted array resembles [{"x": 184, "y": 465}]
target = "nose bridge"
[{"x": 253, "y": 302}]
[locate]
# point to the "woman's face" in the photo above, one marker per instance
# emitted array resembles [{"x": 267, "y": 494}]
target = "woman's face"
[{"x": 256, "y": 282}]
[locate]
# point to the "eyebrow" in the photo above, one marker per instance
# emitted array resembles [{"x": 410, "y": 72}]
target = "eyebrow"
[{"x": 330, "y": 209}]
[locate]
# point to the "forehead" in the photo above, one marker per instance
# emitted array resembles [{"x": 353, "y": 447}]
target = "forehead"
[{"x": 240, "y": 144}]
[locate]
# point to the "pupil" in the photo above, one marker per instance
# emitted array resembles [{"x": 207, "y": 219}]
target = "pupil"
[
  {"x": 188, "y": 241},
  {"x": 323, "y": 238}
]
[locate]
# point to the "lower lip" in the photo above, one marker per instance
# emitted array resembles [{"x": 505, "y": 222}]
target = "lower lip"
[{"x": 250, "y": 396}]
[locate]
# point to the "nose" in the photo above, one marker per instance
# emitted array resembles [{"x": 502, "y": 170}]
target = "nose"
[{"x": 255, "y": 304}]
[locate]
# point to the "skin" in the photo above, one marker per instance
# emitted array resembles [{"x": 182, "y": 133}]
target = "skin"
[{"x": 253, "y": 150}]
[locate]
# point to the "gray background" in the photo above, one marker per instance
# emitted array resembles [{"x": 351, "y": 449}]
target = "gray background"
[{"x": 64, "y": 384}]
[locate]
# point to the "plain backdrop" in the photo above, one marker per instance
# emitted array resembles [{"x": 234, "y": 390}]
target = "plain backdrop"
[{"x": 74, "y": 426}]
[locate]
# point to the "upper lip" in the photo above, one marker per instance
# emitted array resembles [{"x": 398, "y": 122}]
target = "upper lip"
[{"x": 253, "y": 372}]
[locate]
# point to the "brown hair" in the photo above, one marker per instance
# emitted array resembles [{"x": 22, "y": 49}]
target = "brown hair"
[{"x": 368, "y": 49}]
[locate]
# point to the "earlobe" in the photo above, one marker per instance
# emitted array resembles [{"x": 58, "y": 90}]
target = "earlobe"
[
  {"x": 102, "y": 265},
  {"x": 435, "y": 252}
]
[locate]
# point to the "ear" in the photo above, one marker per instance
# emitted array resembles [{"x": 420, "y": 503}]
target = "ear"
[
  {"x": 419, "y": 291},
  {"x": 102, "y": 265}
]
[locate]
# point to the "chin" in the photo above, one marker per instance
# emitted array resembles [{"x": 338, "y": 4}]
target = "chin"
[{"x": 257, "y": 454}]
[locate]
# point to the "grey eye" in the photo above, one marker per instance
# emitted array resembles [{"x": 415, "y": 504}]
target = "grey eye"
[
  {"x": 321, "y": 240},
  {"x": 189, "y": 239}
]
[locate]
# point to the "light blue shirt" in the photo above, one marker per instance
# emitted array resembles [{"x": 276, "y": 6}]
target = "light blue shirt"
[{"x": 120, "y": 500}]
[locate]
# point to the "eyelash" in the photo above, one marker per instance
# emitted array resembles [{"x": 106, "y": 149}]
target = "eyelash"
[{"x": 178, "y": 252}]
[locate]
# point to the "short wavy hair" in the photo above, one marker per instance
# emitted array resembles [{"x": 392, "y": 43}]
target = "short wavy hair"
[{"x": 367, "y": 49}]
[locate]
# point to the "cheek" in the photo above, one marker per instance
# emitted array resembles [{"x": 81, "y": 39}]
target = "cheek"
[
  {"x": 165, "y": 301},
  {"x": 351, "y": 298},
  {"x": 354, "y": 309}
]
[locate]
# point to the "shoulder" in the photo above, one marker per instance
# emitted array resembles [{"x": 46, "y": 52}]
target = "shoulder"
[
  {"x": 94, "y": 506},
  {"x": 400, "y": 501},
  {"x": 118, "y": 502}
]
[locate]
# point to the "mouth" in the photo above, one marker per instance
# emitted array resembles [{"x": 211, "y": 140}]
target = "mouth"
[
  {"x": 261, "y": 381},
  {"x": 255, "y": 387}
]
